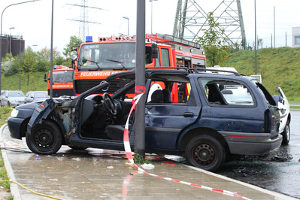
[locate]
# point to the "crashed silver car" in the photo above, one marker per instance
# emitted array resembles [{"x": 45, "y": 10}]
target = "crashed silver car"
[{"x": 285, "y": 115}]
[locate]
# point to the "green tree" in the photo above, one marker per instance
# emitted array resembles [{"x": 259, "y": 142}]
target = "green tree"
[
  {"x": 213, "y": 42},
  {"x": 43, "y": 59},
  {"x": 10, "y": 65},
  {"x": 28, "y": 63},
  {"x": 73, "y": 43}
]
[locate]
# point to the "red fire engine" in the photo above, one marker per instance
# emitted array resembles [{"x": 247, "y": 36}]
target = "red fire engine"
[
  {"x": 62, "y": 81},
  {"x": 97, "y": 60}
]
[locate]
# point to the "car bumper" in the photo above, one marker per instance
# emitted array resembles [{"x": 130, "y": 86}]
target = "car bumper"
[
  {"x": 251, "y": 143},
  {"x": 15, "y": 127}
]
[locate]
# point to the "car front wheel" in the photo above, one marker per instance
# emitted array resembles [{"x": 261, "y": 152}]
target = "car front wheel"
[
  {"x": 44, "y": 138},
  {"x": 286, "y": 134},
  {"x": 205, "y": 152}
]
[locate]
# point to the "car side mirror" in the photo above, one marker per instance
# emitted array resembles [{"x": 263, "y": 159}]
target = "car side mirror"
[
  {"x": 151, "y": 52},
  {"x": 45, "y": 78},
  {"x": 74, "y": 54},
  {"x": 154, "y": 51}
]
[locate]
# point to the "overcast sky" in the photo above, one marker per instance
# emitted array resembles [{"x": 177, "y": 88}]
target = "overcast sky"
[{"x": 33, "y": 20}]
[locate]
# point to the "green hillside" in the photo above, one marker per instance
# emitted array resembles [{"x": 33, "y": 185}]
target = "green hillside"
[
  {"x": 36, "y": 82},
  {"x": 278, "y": 67}
]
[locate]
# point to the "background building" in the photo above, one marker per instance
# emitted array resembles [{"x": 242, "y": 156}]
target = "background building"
[
  {"x": 296, "y": 36},
  {"x": 12, "y": 44}
]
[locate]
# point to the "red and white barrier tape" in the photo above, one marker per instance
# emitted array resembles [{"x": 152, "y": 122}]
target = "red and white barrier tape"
[{"x": 130, "y": 158}]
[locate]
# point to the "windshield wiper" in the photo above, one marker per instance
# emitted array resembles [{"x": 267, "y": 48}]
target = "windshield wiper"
[
  {"x": 84, "y": 60},
  {"x": 117, "y": 61}
]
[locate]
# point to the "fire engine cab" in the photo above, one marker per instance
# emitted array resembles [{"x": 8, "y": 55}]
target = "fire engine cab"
[
  {"x": 110, "y": 55},
  {"x": 62, "y": 81}
]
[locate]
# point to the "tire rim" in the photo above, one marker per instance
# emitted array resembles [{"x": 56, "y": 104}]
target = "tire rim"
[
  {"x": 43, "y": 139},
  {"x": 204, "y": 154}
]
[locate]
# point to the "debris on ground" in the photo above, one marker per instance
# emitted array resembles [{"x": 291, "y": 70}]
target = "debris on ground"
[{"x": 147, "y": 166}]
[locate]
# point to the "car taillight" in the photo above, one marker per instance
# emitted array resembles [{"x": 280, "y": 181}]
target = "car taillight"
[{"x": 267, "y": 123}]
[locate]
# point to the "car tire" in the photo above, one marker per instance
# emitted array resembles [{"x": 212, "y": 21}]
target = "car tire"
[
  {"x": 286, "y": 134},
  {"x": 205, "y": 152},
  {"x": 45, "y": 138}
]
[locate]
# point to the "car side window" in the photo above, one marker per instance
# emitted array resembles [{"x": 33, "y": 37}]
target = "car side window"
[
  {"x": 227, "y": 93},
  {"x": 169, "y": 92}
]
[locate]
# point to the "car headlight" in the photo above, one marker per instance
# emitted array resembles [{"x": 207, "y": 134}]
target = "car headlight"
[{"x": 14, "y": 113}]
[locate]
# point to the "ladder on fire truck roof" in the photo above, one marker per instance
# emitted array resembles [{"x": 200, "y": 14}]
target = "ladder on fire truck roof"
[{"x": 164, "y": 38}]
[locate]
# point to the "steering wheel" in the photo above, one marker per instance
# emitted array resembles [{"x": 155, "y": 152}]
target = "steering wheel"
[{"x": 109, "y": 104}]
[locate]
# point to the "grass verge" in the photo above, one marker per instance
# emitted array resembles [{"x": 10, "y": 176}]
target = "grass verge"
[
  {"x": 4, "y": 180},
  {"x": 294, "y": 107}
]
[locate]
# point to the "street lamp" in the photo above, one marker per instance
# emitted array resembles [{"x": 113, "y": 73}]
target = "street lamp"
[
  {"x": 151, "y": 12},
  {"x": 11, "y": 28},
  {"x": 127, "y": 18},
  {"x": 34, "y": 45},
  {"x": 14, "y": 4},
  {"x": 20, "y": 50}
]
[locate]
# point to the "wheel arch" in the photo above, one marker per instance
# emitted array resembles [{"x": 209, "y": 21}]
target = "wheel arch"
[
  {"x": 59, "y": 125},
  {"x": 184, "y": 139},
  {"x": 24, "y": 127}
]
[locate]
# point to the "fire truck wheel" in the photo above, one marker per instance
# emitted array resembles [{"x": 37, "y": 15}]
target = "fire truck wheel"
[
  {"x": 44, "y": 138},
  {"x": 205, "y": 152}
]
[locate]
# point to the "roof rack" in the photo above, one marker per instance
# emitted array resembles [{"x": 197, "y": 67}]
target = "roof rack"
[
  {"x": 197, "y": 69},
  {"x": 194, "y": 70}
]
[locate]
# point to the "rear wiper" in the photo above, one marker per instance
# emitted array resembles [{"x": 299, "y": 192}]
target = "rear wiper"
[
  {"x": 84, "y": 60},
  {"x": 117, "y": 61}
]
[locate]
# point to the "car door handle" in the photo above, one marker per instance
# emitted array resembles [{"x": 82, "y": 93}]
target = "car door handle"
[{"x": 188, "y": 114}]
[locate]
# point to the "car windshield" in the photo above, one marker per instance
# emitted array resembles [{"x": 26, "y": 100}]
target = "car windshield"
[
  {"x": 63, "y": 76},
  {"x": 105, "y": 56},
  {"x": 15, "y": 94}
]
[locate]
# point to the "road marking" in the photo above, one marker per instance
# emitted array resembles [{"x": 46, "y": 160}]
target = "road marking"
[{"x": 275, "y": 194}]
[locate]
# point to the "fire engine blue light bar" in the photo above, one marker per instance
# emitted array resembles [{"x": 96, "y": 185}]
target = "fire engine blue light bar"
[{"x": 89, "y": 38}]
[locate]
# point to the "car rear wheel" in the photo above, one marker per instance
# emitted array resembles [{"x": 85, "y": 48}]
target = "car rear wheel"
[
  {"x": 286, "y": 134},
  {"x": 44, "y": 138},
  {"x": 205, "y": 152}
]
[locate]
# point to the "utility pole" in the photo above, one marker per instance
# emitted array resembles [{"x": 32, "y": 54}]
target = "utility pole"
[
  {"x": 191, "y": 20},
  {"x": 84, "y": 22},
  {"x": 139, "y": 125},
  {"x": 127, "y": 18},
  {"x": 274, "y": 27},
  {"x": 20, "y": 49},
  {"x": 286, "y": 39},
  {"x": 271, "y": 41},
  {"x": 51, "y": 53},
  {"x": 255, "y": 41}
]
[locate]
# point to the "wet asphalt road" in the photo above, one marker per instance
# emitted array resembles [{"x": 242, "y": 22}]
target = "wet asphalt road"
[{"x": 279, "y": 171}]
